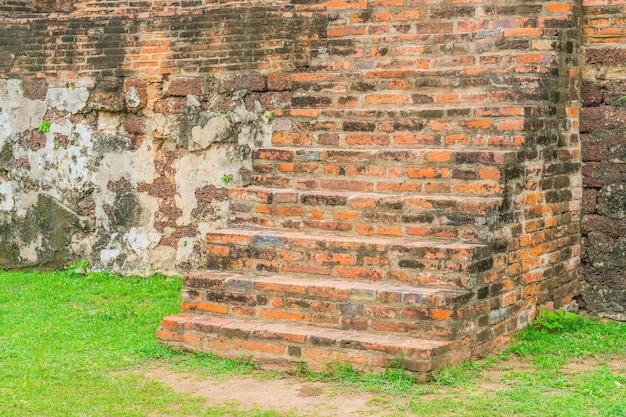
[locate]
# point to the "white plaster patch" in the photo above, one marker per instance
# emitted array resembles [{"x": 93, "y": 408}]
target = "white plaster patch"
[
  {"x": 216, "y": 130},
  {"x": 197, "y": 171},
  {"x": 70, "y": 99},
  {"x": 109, "y": 254},
  {"x": 19, "y": 114},
  {"x": 6, "y": 196},
  {"x": 140, "y": 240},
  {"x": 161, "y": 126},
  {"x": 5, "y": 127}
]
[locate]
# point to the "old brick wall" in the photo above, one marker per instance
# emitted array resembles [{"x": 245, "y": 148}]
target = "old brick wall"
[
  {"x": 125, "y": 123},
  {"x": 153, "y": 108},
  {"x": 603, "y": 128},
  {"x": 429, "y": 144}
]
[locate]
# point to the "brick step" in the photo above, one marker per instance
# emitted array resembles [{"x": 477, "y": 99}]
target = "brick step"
[
  {"x": 495, "y": 127},
  {"x": 283, "y": 345},
  {"x": 423, "y": 262},
  {"x": 378, "y": 307},
  {"x": 464, "y": 218},
  {"x": 433, "y": 171}
]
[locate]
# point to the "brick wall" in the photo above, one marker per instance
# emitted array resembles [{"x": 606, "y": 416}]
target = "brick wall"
[
  {"x": 476, "y": 75},
  {"x": 123, "y": 85},
  {"x": 100, "y": 39},
  {"x": 603, "y": 128}
]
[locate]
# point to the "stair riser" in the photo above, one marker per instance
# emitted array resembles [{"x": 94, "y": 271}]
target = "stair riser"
[
  {"x": 333, "y": 134},
  {"x": 431, "y": 323},
  {"x": 329, "y": 303},
  {"x": 452, "y": 268},
  {"x": 363, "y": 227},
  {"x": 470, "y": 220},
  {"x": 285, "y": 356},
  {"x": 442, "y": 172},
  {"x": 361, "y": 161},
  {"x": 282, "y": 350}
]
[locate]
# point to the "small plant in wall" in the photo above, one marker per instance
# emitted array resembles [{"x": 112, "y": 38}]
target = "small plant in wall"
[
  {"x": 223, "y": 112},
  {"x": 621, "y": 101},
  {"x": 226, "y": 178},
  {"x": 44, "y": 126},
  {"x": 555, "y": 320},
  {"x": 270, "y": 116}
]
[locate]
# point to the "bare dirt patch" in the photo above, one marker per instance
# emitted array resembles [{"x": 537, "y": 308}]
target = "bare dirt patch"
[{"x": 288, "y": 394}]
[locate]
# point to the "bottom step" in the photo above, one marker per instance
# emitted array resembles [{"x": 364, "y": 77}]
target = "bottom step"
[{"x": 281, "y": 346}]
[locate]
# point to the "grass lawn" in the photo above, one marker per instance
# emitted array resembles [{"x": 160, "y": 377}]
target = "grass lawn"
[{"x": 73, "y": 345}]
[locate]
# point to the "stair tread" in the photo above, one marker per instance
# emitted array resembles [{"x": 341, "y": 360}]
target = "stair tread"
[
  {"x": 300, "y": 333},
  {"x": 354, "y": 285},
  {"x": 422, "y": 242},
  {"x": 359, "y": 194},
  {"x": 310, "y": 149}
]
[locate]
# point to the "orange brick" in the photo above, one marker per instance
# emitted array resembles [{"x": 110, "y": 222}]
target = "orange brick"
[
  {"x": 217, "y": 250},
  {"x": 281, "y": 315},
  {"x": 345, "y": 215},
  {"x": 346, "y": 4},
  {"x": 477, "y": 124},
  {"x": 288, "y": 138},
  {"x": 290, "y": 256},
  {"x": 259, "y": 347},
  {"x": 489, "y": 174},
  {"x": 427, "y": 172},
  {"x": 417, "y": 138},
  {"x": 438, "y": 156},
  {"x": 207, "y": 307},
  {"x": 335, "y": 258},
  {"x": 317, "y": 214},
  {"x": 386, "y": 99},
  {"x": 364, "y": 229},
  {"x": 439, "y": 125},
  {"x": 244, "y": 311},
  {"x": 192, "y": 339},
  {"x": 511, "y": 125},
  {"x": 440, "y": 314},
  {"x": 358, "y": 273},
  {"x": 389, "y": 230},
  {"x": 559, "y": 7},
  {"x": 168, "y": 336},
  {"x": 304, "y": 112}
]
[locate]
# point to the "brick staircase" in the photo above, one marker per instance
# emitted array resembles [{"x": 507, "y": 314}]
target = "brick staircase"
[
  {"x": 371, "y": 255},
  {"x": 378, "y": 223}
]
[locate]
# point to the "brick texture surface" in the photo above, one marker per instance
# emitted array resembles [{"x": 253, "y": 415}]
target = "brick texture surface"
[
  {"x": 420, "y": 195},
  {"x": 412, "y": 161}
]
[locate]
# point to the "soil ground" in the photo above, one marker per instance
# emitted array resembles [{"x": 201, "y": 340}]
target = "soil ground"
[{"x": 304, "y": 397}]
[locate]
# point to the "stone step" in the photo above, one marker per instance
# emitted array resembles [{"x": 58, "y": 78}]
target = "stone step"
[
  {"x": 379, "y": 307},
  {"x": 465, "y": 218},
  {"x": 420, "y": 262},
  {"x": 285, "y": 345},
  {"x": 432, "y": 171}
]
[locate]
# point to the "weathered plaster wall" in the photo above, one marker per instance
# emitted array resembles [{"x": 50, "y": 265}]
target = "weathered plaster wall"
[
  {"x": 121, "y": 130},
  {"x": 603, "y": 128}
]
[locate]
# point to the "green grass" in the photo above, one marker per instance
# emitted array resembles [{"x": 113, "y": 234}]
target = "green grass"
[
  {"x": 73, "y": 345},
  {"x": 69, "y": 345}
]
